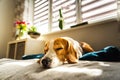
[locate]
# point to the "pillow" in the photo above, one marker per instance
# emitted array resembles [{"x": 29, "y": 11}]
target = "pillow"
[
  {"x": 33, "y": 56},
  {"x": 109, "y": 53}
]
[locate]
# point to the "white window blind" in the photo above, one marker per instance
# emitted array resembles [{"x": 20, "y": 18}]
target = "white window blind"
[
  {"x": 46, "y": 12},
  {"x": 98, "y": 9},
  {"x": 68, "y": 10},
  {"x": 41, "y": 15}
]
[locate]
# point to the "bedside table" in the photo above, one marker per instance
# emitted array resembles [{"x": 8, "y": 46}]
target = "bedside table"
[{"x": 16, "y": 49}]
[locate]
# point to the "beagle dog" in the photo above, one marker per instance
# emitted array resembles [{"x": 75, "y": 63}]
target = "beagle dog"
[{"x": 63, "y": 50}]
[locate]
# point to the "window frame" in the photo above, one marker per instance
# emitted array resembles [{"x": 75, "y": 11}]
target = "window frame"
[{"x": 78, "y": 14}]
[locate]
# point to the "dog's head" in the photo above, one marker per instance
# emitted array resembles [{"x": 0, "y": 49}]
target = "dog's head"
[{"x": 61, "y": 50}]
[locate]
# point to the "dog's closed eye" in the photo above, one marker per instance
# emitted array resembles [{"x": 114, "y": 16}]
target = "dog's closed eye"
[{"x": 58, "y": 49}]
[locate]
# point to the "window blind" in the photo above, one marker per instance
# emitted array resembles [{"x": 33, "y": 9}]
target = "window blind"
[
  {"x": 41, "y": 15},
  {"x": 46, "y": 12},
  {"x": 69, "y": 13},
  {"x": 98, "y": 9}
]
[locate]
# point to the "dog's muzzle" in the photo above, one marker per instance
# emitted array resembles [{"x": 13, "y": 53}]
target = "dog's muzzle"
[{"x": 46, "y": 62}]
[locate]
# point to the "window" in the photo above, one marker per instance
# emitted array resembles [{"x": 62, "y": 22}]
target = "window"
[
  {"x": 41, "y": 15},
  {"x": 98, "y": 9},
  {"x": 69, "y": 13},
  {"x": 46, "y": 12}
]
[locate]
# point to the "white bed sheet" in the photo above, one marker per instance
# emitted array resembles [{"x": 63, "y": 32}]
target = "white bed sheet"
[{"x": 84, "y": 70}]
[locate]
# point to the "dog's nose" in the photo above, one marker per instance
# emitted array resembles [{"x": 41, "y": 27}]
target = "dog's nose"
[{"x": 46, "y": 62}]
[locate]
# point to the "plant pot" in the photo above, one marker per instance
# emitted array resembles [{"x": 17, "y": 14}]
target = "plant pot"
[{"x": 34, "y": 35}]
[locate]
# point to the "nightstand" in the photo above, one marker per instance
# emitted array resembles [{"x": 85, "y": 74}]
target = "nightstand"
[{"x": 16, "y": 49}]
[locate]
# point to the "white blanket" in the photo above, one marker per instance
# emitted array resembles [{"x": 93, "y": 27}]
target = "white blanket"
[{"x": 84, "y": 70}]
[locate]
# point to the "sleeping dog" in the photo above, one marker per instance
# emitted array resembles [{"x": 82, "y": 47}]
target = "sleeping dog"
[{"x": 63, "y": 50}]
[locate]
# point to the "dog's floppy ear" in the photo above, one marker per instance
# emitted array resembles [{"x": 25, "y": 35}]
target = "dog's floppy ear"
[
  {"x": 72, "y": 55},
  {"x": 46, "y": 47},
  {"x": 45, "y": 50}
]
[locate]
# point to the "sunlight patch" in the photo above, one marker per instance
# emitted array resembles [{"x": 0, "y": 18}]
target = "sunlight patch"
[
  {"x": 19, "y": 63},
  {"x": 87, "y": 71},
  {"x": 103, "y": 64}
]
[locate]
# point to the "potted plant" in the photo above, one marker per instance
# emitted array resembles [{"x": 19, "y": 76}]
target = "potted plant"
[{"x": 33, "y": 32}]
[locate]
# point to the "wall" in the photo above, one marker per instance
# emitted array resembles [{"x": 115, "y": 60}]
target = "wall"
[
  {"x": 6, "y": 24},
  {"x": 99, "y": 35}
]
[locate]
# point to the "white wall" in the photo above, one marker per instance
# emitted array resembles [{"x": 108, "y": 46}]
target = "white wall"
[
  {"x": 6, "y": 24},
  {"x": 99, "y": 35}
]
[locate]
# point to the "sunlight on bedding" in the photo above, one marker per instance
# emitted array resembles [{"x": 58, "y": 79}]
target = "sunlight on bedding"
[
  {"x": 87, "y": 71},
  {"x": 103, "y": 64},
  {"x": 18, "y": 63}
]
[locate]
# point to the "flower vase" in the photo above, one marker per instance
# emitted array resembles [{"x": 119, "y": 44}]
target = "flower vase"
[
  {"x": 20, "y": 34},
  {"x": 61, "y": 19}
]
